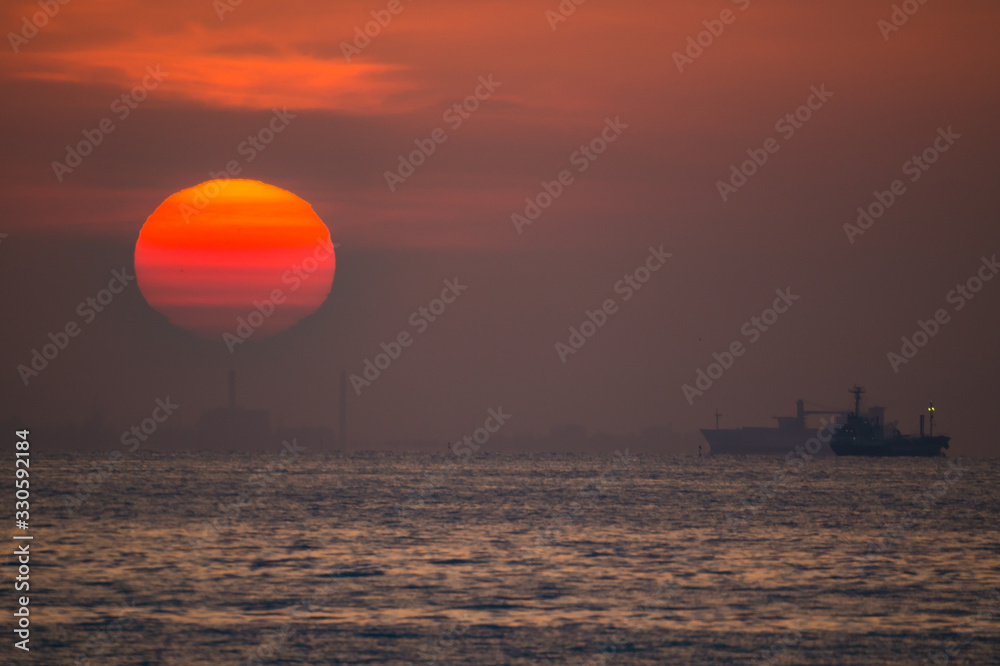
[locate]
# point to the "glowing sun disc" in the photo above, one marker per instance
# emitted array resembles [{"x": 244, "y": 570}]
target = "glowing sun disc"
[{"x": 230, "y": 254}]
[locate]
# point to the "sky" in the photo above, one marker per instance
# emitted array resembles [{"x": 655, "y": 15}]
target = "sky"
[{"x": 625, "y": 131}]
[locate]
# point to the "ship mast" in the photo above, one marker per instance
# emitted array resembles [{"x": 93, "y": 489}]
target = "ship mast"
[
  {"x": 718, "y": 416},
  {"x": 931, "y": 410},
  {"x": 857, "y": 391}
]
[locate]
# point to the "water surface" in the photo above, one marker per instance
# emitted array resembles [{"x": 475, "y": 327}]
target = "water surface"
[{"x": 393, "y": 559}]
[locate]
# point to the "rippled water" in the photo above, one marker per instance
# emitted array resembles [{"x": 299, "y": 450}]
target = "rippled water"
[{"x": 515, "y": 559}]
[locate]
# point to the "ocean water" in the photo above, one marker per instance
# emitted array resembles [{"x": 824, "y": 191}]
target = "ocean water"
[{"x": 308, "y": 558}]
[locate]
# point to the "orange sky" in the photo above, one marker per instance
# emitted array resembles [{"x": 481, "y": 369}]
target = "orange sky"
[
  {"x": 343, "y": 126},
  {"x": 353, "y": 119}
]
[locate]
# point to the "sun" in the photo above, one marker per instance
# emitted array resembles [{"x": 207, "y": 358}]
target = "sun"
[{"x": 234, "y": 258}]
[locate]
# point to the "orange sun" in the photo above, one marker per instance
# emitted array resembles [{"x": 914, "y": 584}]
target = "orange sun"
[{"x": 234, "y": 258}]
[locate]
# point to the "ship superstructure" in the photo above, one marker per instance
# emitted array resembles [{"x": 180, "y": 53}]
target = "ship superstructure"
[
  {"x": 792, "y": 431},
  {"x": 867, "y": 435}
]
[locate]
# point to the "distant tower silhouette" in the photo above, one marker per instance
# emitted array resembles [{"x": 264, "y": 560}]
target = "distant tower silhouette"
[
  {"x": 343, "y": 408},
  {"x": 232, "y": 389}
]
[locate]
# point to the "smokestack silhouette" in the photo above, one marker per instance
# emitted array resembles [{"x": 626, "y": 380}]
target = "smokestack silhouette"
[
  {"x": 343, "y": 408},
  {"x": 232, "y": 389}
]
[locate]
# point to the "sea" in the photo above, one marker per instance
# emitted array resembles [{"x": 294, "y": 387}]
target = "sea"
[{"x": 298, "y": 557}]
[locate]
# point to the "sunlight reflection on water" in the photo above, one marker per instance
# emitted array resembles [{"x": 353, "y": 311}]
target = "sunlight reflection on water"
[{"x": 514, "y": 559}]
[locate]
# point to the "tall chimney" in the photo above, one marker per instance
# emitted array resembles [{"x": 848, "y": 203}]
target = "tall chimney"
[
  {"x": 343, "y": 408},
  {"x": 232, "y": 389},
  {"x": 921, "y": 425}
]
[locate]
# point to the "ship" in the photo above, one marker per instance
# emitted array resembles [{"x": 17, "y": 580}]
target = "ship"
[
  {"x": 791, "y": 432},
  {"x": 867, "y": 435}
]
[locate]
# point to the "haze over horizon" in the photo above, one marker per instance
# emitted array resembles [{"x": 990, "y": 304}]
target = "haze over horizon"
[
  {"x": 873, "y": 104},
  {"x": 411, "y": 331}
]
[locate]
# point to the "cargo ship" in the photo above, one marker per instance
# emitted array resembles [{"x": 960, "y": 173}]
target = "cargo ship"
[
  {"x": 869, "y": 436},
  {"x": 792, "y": 431},
  {"x": 853, "y": 434}
]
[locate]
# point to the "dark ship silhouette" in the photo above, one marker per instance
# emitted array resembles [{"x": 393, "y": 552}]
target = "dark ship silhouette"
[
  {"x": 852, "y": 434},
  {"x": 867, "y": 436},
  {"x": 792, "y": 431}
]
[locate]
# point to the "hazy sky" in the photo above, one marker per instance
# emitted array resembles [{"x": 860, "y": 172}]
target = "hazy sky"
[{"x": 669, "y": 121}]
